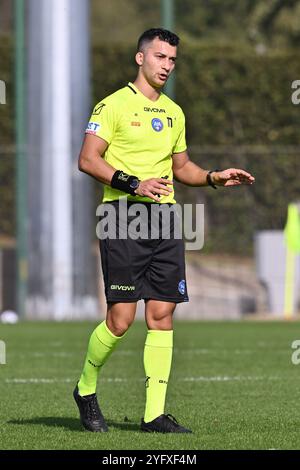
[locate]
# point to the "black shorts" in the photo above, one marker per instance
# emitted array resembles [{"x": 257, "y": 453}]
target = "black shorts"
[{"x": 135, "y": 269}]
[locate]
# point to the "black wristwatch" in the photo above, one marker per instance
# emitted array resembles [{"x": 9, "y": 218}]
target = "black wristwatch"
[
  {"x": 209, "y": 180},
  {"x": 134, "y": 184}
]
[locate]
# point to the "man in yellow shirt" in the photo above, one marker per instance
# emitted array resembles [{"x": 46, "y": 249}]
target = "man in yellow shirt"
[{"x": 135, "y": 145}]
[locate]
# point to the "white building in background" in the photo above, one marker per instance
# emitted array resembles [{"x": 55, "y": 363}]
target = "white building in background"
[{"x": 271, "y": 252}]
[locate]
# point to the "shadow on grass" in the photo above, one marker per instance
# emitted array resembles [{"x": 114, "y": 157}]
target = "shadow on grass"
[
  {"x": 72, "y": 424},
  {"x": 126, "y": 426}
]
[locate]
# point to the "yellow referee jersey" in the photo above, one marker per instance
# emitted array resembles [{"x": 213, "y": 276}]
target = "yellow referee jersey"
[{"x": 142, "y": 136}]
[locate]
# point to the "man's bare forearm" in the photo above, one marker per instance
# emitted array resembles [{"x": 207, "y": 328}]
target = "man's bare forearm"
[
  {"x": 96, "y": 167},
  {"x": 191, "y": 174}
]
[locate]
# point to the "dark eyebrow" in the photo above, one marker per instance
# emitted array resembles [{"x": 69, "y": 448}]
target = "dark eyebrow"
[{"x": 164, "y": 55}]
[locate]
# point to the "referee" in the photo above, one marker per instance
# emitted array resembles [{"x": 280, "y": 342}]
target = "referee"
[{"x": 135, "y": 145}]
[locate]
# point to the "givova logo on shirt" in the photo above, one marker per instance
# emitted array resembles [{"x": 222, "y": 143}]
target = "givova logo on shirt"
[{"x": 92, "y": 128}]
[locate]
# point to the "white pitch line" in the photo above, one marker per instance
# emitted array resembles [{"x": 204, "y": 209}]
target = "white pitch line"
[
  {"x": 51, "y": 381},
  {"x": 131, "y": 352},
  {"x": 223, "y": 378},
  {"x": 36, "y": 381},
  {"x": 119, "y": 379}
]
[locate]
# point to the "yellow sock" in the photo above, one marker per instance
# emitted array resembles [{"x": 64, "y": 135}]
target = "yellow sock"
[
  {"x": 157, "y": 362},
  {"x": 101, "y": 345}
]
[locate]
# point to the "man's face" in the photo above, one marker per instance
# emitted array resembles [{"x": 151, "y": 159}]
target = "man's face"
[{"x": 157, "y": 62}]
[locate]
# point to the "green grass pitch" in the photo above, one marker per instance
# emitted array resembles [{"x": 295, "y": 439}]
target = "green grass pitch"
[{"x": 232, "y": 383}]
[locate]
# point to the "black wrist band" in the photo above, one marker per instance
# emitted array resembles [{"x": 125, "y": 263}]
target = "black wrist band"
[
  {"x": 124, "y": 182},
  {"x": 209, "y": 180}
]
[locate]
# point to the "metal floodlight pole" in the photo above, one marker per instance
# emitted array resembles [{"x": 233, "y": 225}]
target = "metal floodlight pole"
[
  {"x": 21, "y": 176},
  {"x": 167, "y": 20},
  {"x": 61, "y": 283},
  {"x": 61, "y": 159}
]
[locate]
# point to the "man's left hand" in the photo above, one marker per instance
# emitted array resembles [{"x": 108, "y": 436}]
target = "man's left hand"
[{"x": 232, "y": 177}]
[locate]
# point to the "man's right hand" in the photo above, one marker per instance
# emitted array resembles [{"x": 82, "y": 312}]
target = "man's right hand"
[{"x": 153, "y": 187}]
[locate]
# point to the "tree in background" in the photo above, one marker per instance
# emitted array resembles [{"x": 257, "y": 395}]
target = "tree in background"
[
  {"x": 264, "y": 23},
  {"x": 233, "y": 80}
]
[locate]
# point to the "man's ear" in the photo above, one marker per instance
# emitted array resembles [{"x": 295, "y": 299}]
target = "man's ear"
[{"x": 139, "y": 58}]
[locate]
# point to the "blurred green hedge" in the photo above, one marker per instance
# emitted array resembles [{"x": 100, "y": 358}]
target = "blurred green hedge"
[
  {"x": 229, "y": 96},
  {"x": 239, "y": 113}
]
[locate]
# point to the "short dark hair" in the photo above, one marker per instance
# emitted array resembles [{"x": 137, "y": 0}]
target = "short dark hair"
[{"x": 162, "y": 34}]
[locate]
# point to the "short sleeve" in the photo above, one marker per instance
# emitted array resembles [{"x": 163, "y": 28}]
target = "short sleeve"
[
  {"x": 103, "y": 121},
  {"x": 180, "y": 145}
]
